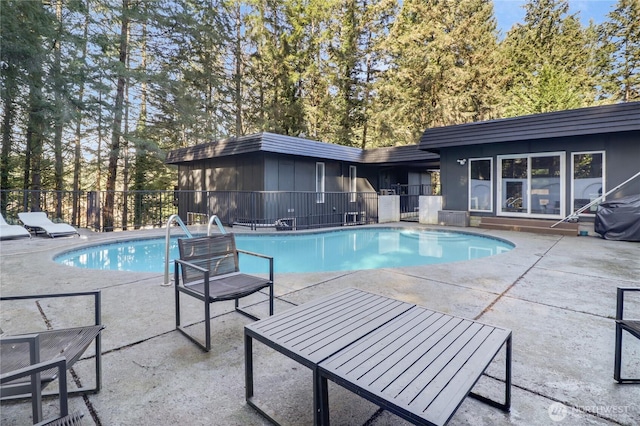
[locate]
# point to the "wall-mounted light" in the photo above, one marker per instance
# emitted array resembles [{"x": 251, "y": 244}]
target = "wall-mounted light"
[{"x": 462, "y": 161}]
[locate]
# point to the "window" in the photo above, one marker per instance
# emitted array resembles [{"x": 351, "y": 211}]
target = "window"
[
  {"x": 588, "y": 179},
  {"x": 480, "y": 184},
  {"x": 352, "y": 184},
  {"x": 531, "y": 184},
  {"x": 319, "y": 182},
  {"x": 514, "y": 184}
]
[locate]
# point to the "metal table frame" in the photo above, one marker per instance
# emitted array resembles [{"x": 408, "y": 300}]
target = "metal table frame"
[{"x": 336, "y": 335}]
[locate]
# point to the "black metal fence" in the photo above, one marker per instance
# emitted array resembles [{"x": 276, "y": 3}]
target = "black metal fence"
[
  {"x": 255, "y": 209},
  {"x": 143, "y": 209},
  {"x": 84, "y": 209},
  {"x": 281, "y": 209}
]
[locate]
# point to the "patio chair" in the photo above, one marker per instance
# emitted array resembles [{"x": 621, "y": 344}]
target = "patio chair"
[
  {"x": 59, "y": 368},
  {"x": 209, "y": 270},
  {"x": 38, "y": 222},
  {"x": 11, "y": 231},
  {"x": 632, "y": 326},
  {"x": 26, "y": 353}
]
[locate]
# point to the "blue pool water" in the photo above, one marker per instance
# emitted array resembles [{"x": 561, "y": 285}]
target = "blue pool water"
[{"x": 343, "y": 250}]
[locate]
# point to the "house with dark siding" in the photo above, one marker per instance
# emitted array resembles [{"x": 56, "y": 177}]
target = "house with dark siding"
[
  {"x": 335, "y": 177},
  {"x": 543, "y": 166}
]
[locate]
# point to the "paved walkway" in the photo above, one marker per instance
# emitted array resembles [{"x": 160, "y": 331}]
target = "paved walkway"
[{"x": 557, "y": 294}]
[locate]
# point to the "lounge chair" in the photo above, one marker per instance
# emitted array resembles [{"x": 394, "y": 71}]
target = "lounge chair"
[
  {"x": 29, "y": 362},
  {"x": 33, "y": 372},
  {"x": 209, "y": 270},
  {"x": 38, "y": 222},
  {"x": 632, "y": 326},
  {"x": 11, "y": 231}
]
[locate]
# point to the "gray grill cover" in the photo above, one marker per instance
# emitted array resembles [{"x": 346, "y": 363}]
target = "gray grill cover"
[{"x": 619, "y": 219}]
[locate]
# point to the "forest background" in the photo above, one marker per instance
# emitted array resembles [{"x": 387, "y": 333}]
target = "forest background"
[{"x": 95, "y": 92}]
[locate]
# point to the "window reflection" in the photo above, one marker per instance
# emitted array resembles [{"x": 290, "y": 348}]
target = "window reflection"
[{"x": 588, "y": 179}]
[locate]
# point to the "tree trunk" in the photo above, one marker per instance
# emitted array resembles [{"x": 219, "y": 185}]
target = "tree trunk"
[
  {"x": 35, "y": 139},
  {"x": 238, "y": 71},
  {"x": 75, "y": 212},
  {"x": 58, "y": 114},
  {"x": 7, "y": 142},
  {"x": 140, "y": 170},
  {"x": 114, "y": 152}
]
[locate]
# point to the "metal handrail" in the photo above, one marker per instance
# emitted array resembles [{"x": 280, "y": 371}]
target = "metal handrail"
[
  {"x": 173, "y": 218},
  {"x": 215, "y": 219},
  {"x": 574, "y": 216}
]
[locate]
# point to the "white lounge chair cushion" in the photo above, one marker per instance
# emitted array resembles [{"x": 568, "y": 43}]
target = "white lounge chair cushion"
[
  {"x": 39, "y": 220},
  {"x": 11, "y": 231}
]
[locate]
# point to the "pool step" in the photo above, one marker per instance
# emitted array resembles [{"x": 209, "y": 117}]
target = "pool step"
[{"x": 537, "y": 226}]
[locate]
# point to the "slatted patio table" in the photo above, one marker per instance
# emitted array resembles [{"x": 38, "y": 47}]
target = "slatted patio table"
[{"x": 416, "y": 363}]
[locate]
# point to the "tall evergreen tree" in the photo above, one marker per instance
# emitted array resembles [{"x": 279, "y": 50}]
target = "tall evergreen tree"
[
  {"x": 378, "y": 17},
  {"x": 549, "y": 61},
  {"x": 436, "y": 52},
  {"x": 345, "y": 54},
  {"x": 316, "y": 72},
  {"x": 118, "y": 112},
  {"x": 279, "y": 60},
  {"x": 79, "y": 114},
  {"x": 17, "y": 44},
  {"x": 622, "y": 40}
]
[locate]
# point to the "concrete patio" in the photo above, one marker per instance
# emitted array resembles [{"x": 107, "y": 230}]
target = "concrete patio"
[{"x": 557, "y": 295}]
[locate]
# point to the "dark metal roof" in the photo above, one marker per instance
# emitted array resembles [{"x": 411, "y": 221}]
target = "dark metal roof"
[
  {"x": 398, "y": 154},
  {"x": 265, "y": 142},
  {"x": 271, "y": 142},
  {"x": 621, "y": 117},
  {"x": 280, "y": 144}
]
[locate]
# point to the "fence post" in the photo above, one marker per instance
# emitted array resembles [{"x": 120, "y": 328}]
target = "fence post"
[{"x": 93, "y": 210}]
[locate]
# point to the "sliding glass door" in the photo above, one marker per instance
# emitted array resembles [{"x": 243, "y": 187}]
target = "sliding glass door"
[{"x": 531, "y": 185}]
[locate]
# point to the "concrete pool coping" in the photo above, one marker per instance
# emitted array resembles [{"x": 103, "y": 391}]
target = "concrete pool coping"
[
  {"x": 433, "y": 249},
  {"x": 557, "y": 295}
]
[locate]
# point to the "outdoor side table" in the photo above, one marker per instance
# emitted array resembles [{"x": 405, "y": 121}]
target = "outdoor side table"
[
  {"x": 419, "y": 366},
  {"x": 312, "y": 332},
  {"x": 414, "y": 362}
]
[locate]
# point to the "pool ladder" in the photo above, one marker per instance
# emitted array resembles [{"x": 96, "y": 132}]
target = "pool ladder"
[{"x": 167, "y": 242}]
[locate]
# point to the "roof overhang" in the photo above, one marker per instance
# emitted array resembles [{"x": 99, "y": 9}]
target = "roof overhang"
[
  {"x": 615, "y": 118},
  {"x": 289, "y": 145}
]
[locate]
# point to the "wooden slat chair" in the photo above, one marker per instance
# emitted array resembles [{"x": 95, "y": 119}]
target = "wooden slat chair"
[
  {"x": 29, "y": 362},
  {"x": 209, "y": 270},
  {"x": 631, "y": 325}
]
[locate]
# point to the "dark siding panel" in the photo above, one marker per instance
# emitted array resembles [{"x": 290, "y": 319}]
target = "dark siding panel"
[
  {"x": 286, "y": 174},
  {"x": 197, "y": 177},
  {"x": 221, "y": 175},
  {"x": 305, "y": 172},
  {"x": 622, "y": 163},
  {"x": 271, "y": 170},
  {"x": 453, "y": 179},
  {"x": 333, "y": 177},
  {"x": 250, "y": 171},
  {"x": 184, "y": 178}
]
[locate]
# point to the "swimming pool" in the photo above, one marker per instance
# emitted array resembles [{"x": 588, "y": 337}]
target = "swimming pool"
[{"x": 341, "y": 250}]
